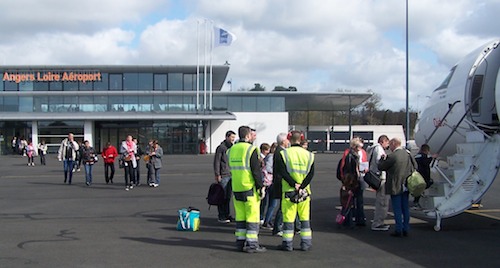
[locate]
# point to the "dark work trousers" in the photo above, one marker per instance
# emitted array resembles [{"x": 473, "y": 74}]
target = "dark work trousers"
[
  {"x": 109, "y": 167},
  {"x": 129, "y": 173}
]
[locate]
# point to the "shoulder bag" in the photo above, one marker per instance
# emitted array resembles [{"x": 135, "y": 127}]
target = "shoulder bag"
[{"x": 415, "y": 182}]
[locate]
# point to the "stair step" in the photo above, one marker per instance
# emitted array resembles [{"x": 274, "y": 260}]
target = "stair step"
[
  {"x": 469, "y": 148},
  {"x": 436, "y": 189}
]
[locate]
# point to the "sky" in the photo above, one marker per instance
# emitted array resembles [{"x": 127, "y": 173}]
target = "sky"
[{"x": 314, "y": 45}]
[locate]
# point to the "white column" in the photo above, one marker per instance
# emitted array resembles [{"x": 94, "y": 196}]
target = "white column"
[
  {"x": 88, "y": 132},
  {"x": 34, "y": 133}
]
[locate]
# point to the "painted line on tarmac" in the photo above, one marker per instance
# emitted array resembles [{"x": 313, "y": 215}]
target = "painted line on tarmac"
[{"x": 483, "y": 213}]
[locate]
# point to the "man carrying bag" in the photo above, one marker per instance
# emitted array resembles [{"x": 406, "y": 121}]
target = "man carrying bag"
[{"x": 381, "y": 199}]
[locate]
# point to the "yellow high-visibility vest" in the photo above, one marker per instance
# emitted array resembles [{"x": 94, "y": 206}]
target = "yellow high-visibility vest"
[
  {"x": 239, "y": 162},
  {"x": 298, "y": 163}
]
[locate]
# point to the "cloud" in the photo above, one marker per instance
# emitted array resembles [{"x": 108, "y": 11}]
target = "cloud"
[{"x": 314, "y": 45}]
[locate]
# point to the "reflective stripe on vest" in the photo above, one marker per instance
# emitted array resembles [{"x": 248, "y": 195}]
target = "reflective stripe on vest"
[
  {"x": 239, "y": 162},
  {"x": 298, "y": 163}
]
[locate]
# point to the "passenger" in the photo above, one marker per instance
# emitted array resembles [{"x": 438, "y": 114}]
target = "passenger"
[
  {"x": 149, "y": 166},
  {"x": 352, "y": 159},
  {"x": 381, "y": 199},
  {"x": 283, "y": 143},
  {"x": 246, "y": 182},
  {"x": 270, "y": 189},
  {"x": 398, "y": 167},
  {"x": 78, "y": 164},
  {"x": 109, "y": 154},
  {"x": 67, "y": 153},
  {"x": 137, "y": 169},
  {"x": 30, "y": 152},
  {"x": 297, "y": 169},
  {"x": 265, "y": 149},
  {"x": 89, "y": 157},
  {"x": 424, "y": 160},
  {"x": 223, "y": 176},
  {"x": 22, "y": 146},
  {"x": 128, "y": 149},
  {"x": 155, "y": 158},
  {"x": 349, "y": 184},
  {"x": 42, "y": 151},
  {"x": 14, "y": 145}
]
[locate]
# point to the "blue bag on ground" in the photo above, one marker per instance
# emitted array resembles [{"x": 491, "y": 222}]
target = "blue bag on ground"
[{"x": 189, "y": 219}]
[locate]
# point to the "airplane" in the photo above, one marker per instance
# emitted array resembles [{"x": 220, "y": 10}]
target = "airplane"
[{"x": 460, "y": 123}]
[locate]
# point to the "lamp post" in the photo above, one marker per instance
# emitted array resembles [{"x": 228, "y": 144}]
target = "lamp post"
[{"x": 407, "y": 85}]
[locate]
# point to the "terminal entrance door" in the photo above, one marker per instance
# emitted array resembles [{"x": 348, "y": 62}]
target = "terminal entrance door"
[{"x": 174, "y": 137}]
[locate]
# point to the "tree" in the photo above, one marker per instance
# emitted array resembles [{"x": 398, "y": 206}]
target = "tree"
[
  {"x": 370, "y": 107},
  {"x": 258, "y": 87}
]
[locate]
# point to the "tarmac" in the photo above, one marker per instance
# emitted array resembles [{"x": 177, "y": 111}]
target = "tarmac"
[{"x": 46, "y": 223}]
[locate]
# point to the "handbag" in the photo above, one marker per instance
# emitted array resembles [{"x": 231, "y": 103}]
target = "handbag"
[
  {"x": 188, "y": 219},
  {"x": 373, "y": 179},
  {"x": 416, "y": 184}
]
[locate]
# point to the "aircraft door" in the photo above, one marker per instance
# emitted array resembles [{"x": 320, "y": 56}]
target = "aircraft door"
[
  {"x": 481, "y": 94},
  {"x": 480, "y": 90}
]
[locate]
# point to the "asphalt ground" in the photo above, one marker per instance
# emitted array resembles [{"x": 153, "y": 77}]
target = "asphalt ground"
[{"x": 45, "y": 223}]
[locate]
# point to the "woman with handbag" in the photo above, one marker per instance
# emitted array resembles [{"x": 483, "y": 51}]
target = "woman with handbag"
[
  {"x": 89, "y": 157},
  {"x": 155, "y": 158},
  {"x": 128, "y": 149}
]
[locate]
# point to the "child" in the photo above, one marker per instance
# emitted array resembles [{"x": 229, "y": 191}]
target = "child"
[
  {"x": 349, "y": 185},
  {"x": 423, "y": 159}
]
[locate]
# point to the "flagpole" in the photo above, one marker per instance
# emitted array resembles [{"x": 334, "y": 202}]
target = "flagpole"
[
  {"x": 211, "y": 66},
  {"x": 197, "y": 65},
  {"x": 205, "y": 69}
]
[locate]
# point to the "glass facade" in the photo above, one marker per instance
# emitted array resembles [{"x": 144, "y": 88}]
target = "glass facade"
[
  {"x": 141, "y": 92},
  {"x": 155, "y": 90}
]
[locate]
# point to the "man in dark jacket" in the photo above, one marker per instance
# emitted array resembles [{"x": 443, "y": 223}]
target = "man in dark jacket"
[
  {"x": 283, "y": 143},
  {"x": 223, "y": 175}
]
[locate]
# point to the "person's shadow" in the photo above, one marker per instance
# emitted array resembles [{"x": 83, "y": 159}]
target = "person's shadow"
[{"x": 207, "y": 225}]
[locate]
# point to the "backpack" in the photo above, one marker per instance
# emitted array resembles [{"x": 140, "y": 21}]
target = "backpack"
[
  {"x": 339, "y": 172},
  {"x": 215, "y": 196}
]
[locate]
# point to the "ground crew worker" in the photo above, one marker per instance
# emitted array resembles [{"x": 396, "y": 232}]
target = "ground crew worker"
[
  {"x": 297, "y": 170},
  {"x": 248, "y": 189}
]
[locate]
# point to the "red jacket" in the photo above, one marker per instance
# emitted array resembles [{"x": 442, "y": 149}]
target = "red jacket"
[{"x": 109, "y": 154}]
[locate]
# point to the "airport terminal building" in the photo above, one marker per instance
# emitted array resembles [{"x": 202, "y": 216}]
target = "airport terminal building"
[{"x": 107, "y": 103}]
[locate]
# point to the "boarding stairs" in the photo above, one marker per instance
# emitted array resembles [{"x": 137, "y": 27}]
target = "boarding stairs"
[{"x": 463, "y": 178}]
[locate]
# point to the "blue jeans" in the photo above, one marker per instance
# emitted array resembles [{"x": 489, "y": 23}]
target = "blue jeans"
[
  {"x": 68, "y": 170},
  {"x": 401, "y": 211},
  {"x": 272, "y": 204},
  {"x": 157, "y": 176},
  {"x": 224, "y": 209},
  {"x": 88, "y": 173}
]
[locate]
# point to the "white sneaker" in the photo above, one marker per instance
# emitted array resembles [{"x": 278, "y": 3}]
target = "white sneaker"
[
  {"x": 155, "y": 185},
  {"x": 126, "y": 188},
  {"x": 131, "y": 186},
  {"x": 33, "y": 164}
]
